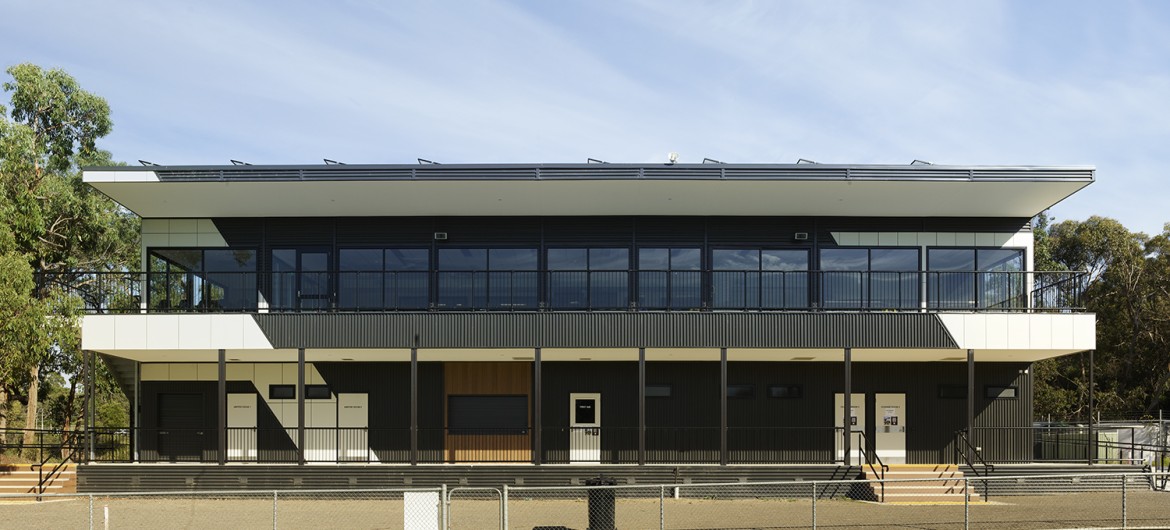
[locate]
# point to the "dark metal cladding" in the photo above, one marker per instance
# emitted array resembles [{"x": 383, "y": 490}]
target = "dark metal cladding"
[
  {"x": 613, "y": 171},
  {"x": 605, "y": 330}
]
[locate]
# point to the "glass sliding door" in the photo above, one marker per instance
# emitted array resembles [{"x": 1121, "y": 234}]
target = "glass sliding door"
[
  {"x": 589, "y": 278},
  {"x": 301, "y": 280},
  {"x": 759, "y": 279},
  {"x": 968, "y": 278},
  {"x": 670, "y": 278}
]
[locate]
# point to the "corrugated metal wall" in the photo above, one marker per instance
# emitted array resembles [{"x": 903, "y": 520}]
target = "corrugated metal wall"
[{"x": 605, "y": 329}]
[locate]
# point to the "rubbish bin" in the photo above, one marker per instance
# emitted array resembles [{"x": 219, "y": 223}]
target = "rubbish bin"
[{"x": 601, "y": 503}]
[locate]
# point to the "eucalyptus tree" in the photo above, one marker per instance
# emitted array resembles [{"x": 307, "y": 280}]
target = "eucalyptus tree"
[
  {"x": 58, "y": 226},
  {"x": 1128, "y": 288}
]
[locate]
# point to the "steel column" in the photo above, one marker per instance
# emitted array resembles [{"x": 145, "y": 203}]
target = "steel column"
[
  {"x": 301, "y": 406},
  {"x": 1092, "y": 411},
  {"x": 970, "y": 405},
  {"x": 537, "y": 399},
  {"x": 848, "y": 414},
  {"x": 221, "y": 420},
  {"x": 91, "y": 405},
  {"x": 414, "y": 406},
  {"x": 723, "y": 406},
  {"x": 641, "y": 406}
]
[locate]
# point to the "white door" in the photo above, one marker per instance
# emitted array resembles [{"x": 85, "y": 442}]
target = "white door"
[
  {"x": 585, "y": 428},
  {"x": 353, "y": 422},
  {"x": 856, "y": 428},
  {"x": 890, "y": 431},
  {"x": 241, "y": 424}
]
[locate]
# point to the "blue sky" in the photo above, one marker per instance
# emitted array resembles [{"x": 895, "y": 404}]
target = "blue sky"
[{"x": 1026, "y": 82}]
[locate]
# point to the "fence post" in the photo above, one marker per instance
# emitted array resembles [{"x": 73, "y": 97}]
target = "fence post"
[
  {"x": 966, "y": 503},
  {"x": 814, "y": 504},
  {"x": 504, "y": 508},
  {"x": 1124, "y": 518},
  {"x": 444, "y": 504},
  {"x": 91, "y": 512},
  {"x": 661, "y": 507},
  {"x": 274, "y": 510}
]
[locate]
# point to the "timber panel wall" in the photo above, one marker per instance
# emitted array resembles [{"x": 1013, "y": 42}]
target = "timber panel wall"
[{"x": 488, "y": 378}]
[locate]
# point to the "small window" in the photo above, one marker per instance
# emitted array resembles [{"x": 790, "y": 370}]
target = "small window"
[
  {"x": 785, "y": 391},
  {"x": 318, "y": 392},
  {"x": 741, "y": 391},
  {"x": 282, "y": 391},
  {"x": 1002, "y": 392},
  {"x": 658, "y": 391},
  {"x": 952, "y": 391}
]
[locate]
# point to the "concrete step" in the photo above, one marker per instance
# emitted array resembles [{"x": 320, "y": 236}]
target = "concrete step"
[
  {"x": 936, "y": 497},
  {"x": 924, "y": 483},
  {"x": 25, "y": 478}
]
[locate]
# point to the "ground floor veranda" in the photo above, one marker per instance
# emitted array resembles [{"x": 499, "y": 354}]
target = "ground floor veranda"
[{"x": 592, "y": 406}]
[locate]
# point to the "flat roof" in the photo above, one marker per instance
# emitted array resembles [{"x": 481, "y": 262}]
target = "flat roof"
[{"x": 588, "y": 189}]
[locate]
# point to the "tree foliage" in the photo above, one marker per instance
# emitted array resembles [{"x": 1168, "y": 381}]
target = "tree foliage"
[
  {"x": 53, "y": 224},
  {"x": 1128, "y": 288}
]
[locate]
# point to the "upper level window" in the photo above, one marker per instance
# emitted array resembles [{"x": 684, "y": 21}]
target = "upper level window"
[
  {"x": 588, "y": 278},
  {"x": 865, "y": 278},
  {"x": 967, "y": 278},
  {"x": 375, "y": 278},
  {"x": 670, "y": 278},
  {"x": 759, "y": 279},
  {"x": 217, "y": 279},
  {"x": 479, "y": 278}
]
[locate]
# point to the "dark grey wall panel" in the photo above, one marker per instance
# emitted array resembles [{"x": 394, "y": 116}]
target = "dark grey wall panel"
[
  {"x": 603, "y": 329},
  {"x": 567, "y": 231}
]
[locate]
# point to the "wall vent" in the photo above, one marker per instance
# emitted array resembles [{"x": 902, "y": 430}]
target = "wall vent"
[
  {"x": 801, "y": 236},
  {"x": 440, "y": 236}
]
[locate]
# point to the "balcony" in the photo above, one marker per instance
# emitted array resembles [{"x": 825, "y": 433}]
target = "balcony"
[{"x": 526, "y": 291}]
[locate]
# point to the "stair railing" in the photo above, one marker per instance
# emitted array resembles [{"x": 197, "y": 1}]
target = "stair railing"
[
  {"x": 963, "y": 450},
  {"x": 866, "y": 460},
  {"x": 66, "y": 448}
]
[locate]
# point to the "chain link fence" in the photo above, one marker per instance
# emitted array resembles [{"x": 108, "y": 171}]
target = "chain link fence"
[{"x": 1106, "y": 500}]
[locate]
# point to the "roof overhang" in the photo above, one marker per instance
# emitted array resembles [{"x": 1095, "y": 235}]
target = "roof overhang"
[{"x": 588, "y": 190}]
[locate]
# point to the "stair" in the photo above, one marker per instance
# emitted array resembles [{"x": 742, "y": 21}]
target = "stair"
[
  {"x": 23, "y": 478},
  {"x": 947, "y": 484}
]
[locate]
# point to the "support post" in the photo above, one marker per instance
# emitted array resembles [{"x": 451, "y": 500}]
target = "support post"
[
  {"x": 221, "y": 420},
  {"x": 641, "y": 406},
  {"x": 301, "y": 406},
  {"x": 723, "y": 406},
  {"x": 414, "y": 404},
  {"x": 91, "y": 405},
  {"x": 1092, "y": 411},
  {"x": 537, "y": 400},
  {"x": 970, "y": 405},
  {"x": 846, "y": 421}
]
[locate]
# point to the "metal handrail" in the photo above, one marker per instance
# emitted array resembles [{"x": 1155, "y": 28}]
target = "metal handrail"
[
  {"x": 987, "y": 468},
  {"x": 865, "y": 456},
  {"x": 573, "y": 290}
]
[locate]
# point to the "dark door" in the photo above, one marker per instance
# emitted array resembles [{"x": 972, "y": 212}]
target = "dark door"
[
  {"x": 181, "y": 431},
  {"x": 301, "y": 280},
  {"x": 315, "y": 286}
]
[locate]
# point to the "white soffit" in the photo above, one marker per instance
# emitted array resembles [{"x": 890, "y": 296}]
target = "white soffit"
[{"x": 151, "y": 198}]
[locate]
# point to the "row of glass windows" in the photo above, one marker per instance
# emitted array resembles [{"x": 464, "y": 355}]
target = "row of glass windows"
[{"x": 580, "y": 278}]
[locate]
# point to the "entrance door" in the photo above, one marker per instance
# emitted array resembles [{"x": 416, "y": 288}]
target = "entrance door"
[
  {"x": 353, "y": 422},
  {"x": 180, "y": 427},
  {"x": 585, "y": 428},
  {"x": 301, "y": 279},
  {"x": 890, "y": 428},
  {"x": 241, "y": 425},
  {"x": 856, "y": 428}
]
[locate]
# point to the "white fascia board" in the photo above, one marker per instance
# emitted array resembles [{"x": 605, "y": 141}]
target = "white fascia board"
[
  {"x": 1022, "y": 331},
  {"x": 95, "y": 177},
  {"x": 171, "y": 332}
]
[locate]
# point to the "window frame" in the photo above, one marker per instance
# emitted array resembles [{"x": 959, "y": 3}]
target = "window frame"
[{"x": 274, "y": 388}]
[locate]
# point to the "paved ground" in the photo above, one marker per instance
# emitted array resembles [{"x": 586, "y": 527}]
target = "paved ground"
[{"x": 1084, "y": 510}]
